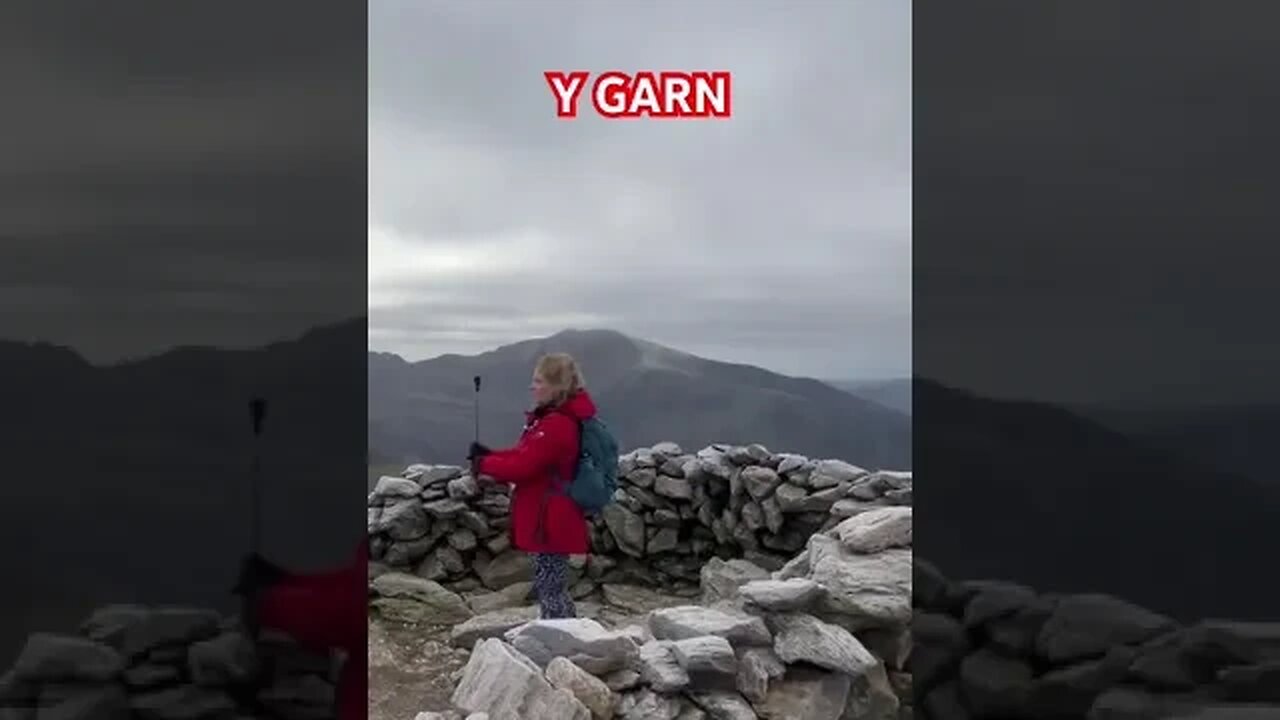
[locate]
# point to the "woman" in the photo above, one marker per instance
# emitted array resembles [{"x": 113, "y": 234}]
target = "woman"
[
  {"x": 545, "y": 522},
  {"x": 323, "y": 612}
]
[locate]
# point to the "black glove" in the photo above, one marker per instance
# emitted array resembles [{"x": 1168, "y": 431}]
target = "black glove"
[
  {"x": 474, "y": 453},
  {"x": 256, "y": 574}
]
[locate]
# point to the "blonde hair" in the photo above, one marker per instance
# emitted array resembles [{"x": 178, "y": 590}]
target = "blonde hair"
[{"x": 560, "y": 372}]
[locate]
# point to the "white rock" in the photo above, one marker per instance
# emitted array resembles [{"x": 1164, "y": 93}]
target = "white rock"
[
  {"x": 587, "y": 688},
  {"x": 876, "y": 530},
  {"x": 502, "y": 682},
  {"x": 690, "y": 621},
  {"x": 804, "y": 638}
]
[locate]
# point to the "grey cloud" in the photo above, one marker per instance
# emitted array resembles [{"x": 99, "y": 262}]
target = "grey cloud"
[
  {"x": 177, "y": 175},
  {"x": 1093, "y": 213},
  {"x": 788, "y": 224}
]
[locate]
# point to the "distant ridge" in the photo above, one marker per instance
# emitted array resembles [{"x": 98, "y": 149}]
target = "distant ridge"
[
  {"x": 1033, "y": 493},
  {"x": 422, "y": 411},
  {"x": 144, "y": 464},
  {"x": 894, "y": 394}
]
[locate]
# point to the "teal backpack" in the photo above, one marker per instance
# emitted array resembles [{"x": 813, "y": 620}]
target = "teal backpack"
[{"x": 596, "y": 478}]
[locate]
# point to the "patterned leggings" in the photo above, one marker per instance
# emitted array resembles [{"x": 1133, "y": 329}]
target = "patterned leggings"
[{"x": 551, "y": 583}]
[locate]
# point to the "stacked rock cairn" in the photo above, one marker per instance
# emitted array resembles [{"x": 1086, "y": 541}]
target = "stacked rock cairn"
[
  {"x": 673, "y": 512},
  {"x": 797, "y": 575}
]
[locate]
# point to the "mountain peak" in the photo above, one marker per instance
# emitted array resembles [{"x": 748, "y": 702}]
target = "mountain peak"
[
  {"x": 597, "y": 334},
  {"x": 647, "y": 391}
]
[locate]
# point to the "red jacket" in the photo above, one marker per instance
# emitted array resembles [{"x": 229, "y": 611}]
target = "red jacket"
[
  {"x": 328, "y": 611},
  {"x": 543, "y": 462}
]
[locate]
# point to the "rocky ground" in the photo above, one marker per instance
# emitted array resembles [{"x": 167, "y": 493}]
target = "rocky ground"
[
  {"x": 413, "y": 667},
  {"x": 822, "y": 638},
  {"x": 410, "y": 669}
]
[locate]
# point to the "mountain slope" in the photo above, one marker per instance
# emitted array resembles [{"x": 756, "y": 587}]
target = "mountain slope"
[
  {"x": 119, "y": 474},
  {"x": 647, "y": 393},
  {"x": 893, "y": 394},
  {"x": 1033, "y": 493},
  {"x": 1238, "y": 438}
]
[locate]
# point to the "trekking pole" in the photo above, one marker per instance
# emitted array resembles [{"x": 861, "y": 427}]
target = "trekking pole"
[
  {"x": 257, "y": 411},
  {"x": 476, "y": 380},
  {"x": 247, "y": 693}
]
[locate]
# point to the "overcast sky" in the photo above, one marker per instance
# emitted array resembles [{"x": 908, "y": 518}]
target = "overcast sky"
[
  {"x": 179, "y": 174},
  {"x": 1098, "y": 217},
  {"x": 780, "y": 237}
]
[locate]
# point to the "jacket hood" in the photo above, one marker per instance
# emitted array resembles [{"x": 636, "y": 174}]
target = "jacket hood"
[{"x": 579, "y": 406}]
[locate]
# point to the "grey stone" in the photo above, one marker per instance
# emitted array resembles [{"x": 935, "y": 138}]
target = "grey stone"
[
  {"x": 994, "y": 685},
  {"x": 643, "y": 477},
  {"x": 498, "y": 680},
  {"x": 675, "y": 488},
  {"x": 444, "y": 509},
  {"x": 648, "y": 705},
  {"x": 690, "y": 621},
  {"x": 405, "y": 520},
  {"x": 849, "y": 507},
  {"x": 664, "y": 540},
  {"x": 1069, "y": 692},
  {"x": 53, "y": 658},
  {"x": 431, "y": 475},
  {"x": 789, "y": 462},
  {"x": 723, "y": 705},
  {"x": 807, "y": 694},
  {"x": 183, "y": 702},
  {"x": 79, "y": 702},
  {"x": 404, "y": 553},
  {"x": 871, "y": 590},
  {"x": 151, "y": 675},
  {"x": 621, "y": 680},
  {"x": 804, "y": 638},
  {"x": 462, "y": 540},
  {"x": 872, "y": 697},
  {"x": 1086, "y": 626},
  {"x": 757, "y": 667},
  {"x": 587, "y": 643},
  {"x": 395, "y": 488},
  {"x": 721, "y": 579},
  {"x": 705, "y": 655},
  {"x": 830, "y": 473},
  {"x": 993, "y": 600},
  {"x": 876, "y": 530},
  {"x": 492, "y": 624},
  {"x": 406, "y": 598},
  {"x": 660, "y": 669},
  {"x": 760, "y": 482},
  {"x": 463, "y": 488},
  {"x": 627, "y": 528},
  {"x": 504, "y": 570},
  {"x": 782, "y": 595},
  {"x": 588, "y": 689},
  {"x": 221, "y": 661}
]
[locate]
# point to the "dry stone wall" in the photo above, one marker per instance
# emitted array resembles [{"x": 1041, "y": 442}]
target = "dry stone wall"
[
  {"x": 825, "y": 637},
  {"x": 673, "y": 512},
  {"x": 990, "y": 649},
  {"x": 129, "y": 662},
  {"x": 795, "y": 574}
]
